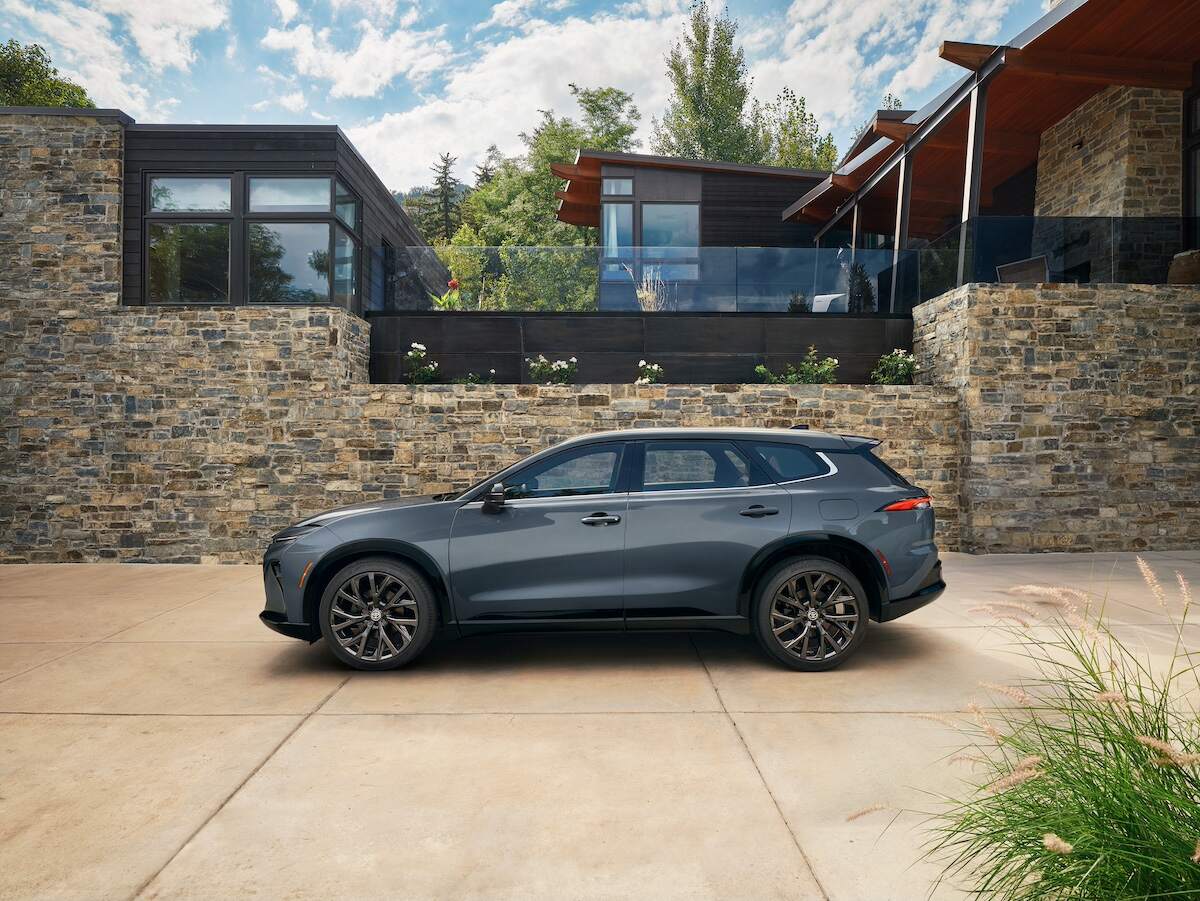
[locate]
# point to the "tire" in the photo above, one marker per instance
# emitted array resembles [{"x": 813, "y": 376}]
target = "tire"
[
  {"x": 785, "y": 613},
  {"x": 377, "y": 614}
]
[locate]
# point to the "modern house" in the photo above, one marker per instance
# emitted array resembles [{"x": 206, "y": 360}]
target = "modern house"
[
  {"x": 692, "y": 224},
  {"x": 258, "y": 214},
  {"x": 1070, "y": 153}
]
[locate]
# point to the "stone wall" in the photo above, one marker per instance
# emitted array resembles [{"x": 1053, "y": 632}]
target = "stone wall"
[
  {"x": 1080, "y": 413},
  {"x": 168, "y": 470},
  {"x": 1128, "y": 162}
]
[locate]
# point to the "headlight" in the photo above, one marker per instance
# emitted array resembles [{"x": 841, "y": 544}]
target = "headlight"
[{"x": 291, "y": 533}]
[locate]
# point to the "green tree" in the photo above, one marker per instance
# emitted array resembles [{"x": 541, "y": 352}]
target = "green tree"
[
  {"x": 517, "y": 206},
  {"x": 446, "y": 199},
  {"x": 889, "y": 102},
  {"x": 793, "y": 135},
  {"x": 485, "y": 170},
  {"x": 710, "y": 115},
  {"x": 28, "y": 78}
]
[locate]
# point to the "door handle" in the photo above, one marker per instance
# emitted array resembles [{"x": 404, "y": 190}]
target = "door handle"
[
  {"x": 757, "y": 511},
  {"x": 600, "y": 519}
]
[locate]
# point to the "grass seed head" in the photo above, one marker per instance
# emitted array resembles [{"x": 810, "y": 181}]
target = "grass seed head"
[{"x": 1056, "y": 844}]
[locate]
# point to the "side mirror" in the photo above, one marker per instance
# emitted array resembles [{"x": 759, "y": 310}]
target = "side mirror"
[{"x": 494, "y": 499}]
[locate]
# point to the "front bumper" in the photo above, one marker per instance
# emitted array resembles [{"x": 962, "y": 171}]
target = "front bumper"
[
  {"x": 278, "y": 622},
  {"x": 929, "y": 592}
]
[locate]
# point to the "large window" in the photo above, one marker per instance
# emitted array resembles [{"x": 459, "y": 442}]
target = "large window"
[
  {"x": 237, "y": 238},
  {"x": 670, "y": 230},
  {"x": 189, "y": 262},
  {"x": 289, "y": 262}
]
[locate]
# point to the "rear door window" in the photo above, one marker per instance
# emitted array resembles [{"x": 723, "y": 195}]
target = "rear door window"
[
  {"x": 789, "y": 462},
  {"x": 693, "y": 465}
]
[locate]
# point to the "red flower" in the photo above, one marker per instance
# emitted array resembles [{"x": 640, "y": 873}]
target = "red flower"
[{"x": 452, "y": 284}]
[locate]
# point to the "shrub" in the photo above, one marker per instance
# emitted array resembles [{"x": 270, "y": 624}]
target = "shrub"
[
  {"x": 558, "y": 372},
  {"x": 648, "y": 373},
  {"x": 897, "y": 368},
  {"x": 420, "y": 370},
  {"x": 1089, "y": 774},
  {"x": 472, "y": 379},
  {"x": 810, "y": 371}
]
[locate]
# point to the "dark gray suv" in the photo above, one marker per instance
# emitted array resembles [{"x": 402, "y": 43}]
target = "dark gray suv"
[{"x": 798, "y": 536}]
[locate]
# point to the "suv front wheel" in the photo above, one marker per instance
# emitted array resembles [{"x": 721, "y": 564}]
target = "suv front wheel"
[{"x": 811, "y": 613}]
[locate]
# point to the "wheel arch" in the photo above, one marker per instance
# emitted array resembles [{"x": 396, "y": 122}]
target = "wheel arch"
[
  {"x": 854, "y": 556},
  {"x": 358, "y": 550}
]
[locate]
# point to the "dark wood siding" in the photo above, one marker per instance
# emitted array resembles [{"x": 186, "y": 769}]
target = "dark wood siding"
[
  {"x": 693, "y": 348},
  {"x": 319, "y": 149},
  {"x": 743, "y": 210}
]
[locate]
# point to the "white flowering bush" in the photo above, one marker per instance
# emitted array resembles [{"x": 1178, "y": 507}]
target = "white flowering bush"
[
  {"x": 809, "y": 371},
  {"x": 547, "y": 372},
  {"x": 472, "y": 378},
  {"x": 897, "y": 368},
  {"x": 648, "y": 373},
  {"x": 421, "y": 370}
]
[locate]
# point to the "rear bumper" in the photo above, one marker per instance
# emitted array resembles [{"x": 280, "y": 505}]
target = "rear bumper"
[{"x": 926, "y": 594}]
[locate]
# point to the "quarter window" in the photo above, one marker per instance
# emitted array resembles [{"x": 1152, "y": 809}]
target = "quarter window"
[
  {"x": 789, "y": 462},
  {"x": 581, "y": 472},
  {"x": 682, "y": 466}
]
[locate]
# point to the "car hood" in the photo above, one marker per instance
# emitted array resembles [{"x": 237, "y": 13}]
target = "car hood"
[{"x": 341, "y": 513}]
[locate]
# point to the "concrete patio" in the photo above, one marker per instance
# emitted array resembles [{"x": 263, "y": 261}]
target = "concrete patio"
[{"x": 157, "y": 742}]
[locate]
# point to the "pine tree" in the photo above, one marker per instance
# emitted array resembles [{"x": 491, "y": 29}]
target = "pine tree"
[
  {"x": 447, "y": 199},
  {"x": 710, "y": 115},
  {"x": 485, "y": 170}
]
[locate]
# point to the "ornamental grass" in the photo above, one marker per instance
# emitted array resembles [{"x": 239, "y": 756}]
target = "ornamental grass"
[{"x": 1085, "y": 778}]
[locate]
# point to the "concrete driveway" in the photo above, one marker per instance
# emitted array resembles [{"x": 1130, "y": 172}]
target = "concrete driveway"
[{"x": 156, "y": 741}]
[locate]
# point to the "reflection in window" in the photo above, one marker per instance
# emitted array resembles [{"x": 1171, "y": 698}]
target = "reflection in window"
[
  {"x": 790, "y": 461},
  {"x": 587, "y": 472},
  {"x": 671, "y": 230},
  {"x": 616, "y": 226},
  {"x": 289, "y": 195},
  {"x": 192, "y": 195},
  {"x": 674, "y": 467},
  {"x": 346, "y": 206},
  {"x": 345, "y": 259},
  {"x": 617, "y": 187},
  {"x": 288, "y": 262},
  {"x": 674, "y": 272},
  {"x": 189, "y": 262}
]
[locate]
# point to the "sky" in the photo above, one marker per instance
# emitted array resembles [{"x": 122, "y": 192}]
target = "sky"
[{"x": 407, "y": 81}]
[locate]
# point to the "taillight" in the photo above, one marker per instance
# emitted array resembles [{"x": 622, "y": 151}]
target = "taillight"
[{"x": 909, "y": 503}]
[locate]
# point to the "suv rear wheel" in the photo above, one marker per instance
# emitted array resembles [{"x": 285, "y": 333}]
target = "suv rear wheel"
[
  {"x": 811, "y": 613},
  {"x": 377, "y": 614}
]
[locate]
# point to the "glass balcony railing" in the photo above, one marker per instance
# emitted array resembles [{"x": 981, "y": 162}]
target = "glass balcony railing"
[{"x": 827, "y": 280}]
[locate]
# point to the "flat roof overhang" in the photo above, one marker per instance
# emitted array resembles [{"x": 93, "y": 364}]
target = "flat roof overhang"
[
  {"x": 1071, "y": 54},
  {"x": 579, "y": 198}
]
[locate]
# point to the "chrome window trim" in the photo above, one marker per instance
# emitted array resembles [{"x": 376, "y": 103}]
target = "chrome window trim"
[{"x": 833, "y": 470}]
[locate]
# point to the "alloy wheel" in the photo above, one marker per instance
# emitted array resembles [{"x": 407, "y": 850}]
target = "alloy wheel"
[
  {"x": 373, "y": 616},
  {"x": 814, "y": 616}
]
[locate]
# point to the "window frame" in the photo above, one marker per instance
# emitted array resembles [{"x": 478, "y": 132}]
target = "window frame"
[
  {"x": 758, "y": 478},
  {"x": 618, "y": 485},
  {"x": 1191, "y": 159},
  {"x": 239, "y": 218}
]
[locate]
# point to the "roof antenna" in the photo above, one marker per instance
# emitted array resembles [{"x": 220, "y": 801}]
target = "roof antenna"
[{"x": 800, "y": 427}]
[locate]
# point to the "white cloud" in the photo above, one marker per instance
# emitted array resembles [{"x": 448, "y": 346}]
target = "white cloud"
[
  {"x": 293, "y": 102},
  {"x": 370, "y": 66},
  {"x": 844, "y": 56},
  {"x": 231, "y": 48},
  {"x": 497, "y": 93},
  {"x": 382, "y": 9},
  {"x": 288, "y": 10},
  {"x": 163, "y": 31},
  {"x": 507, "y": 14}
]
